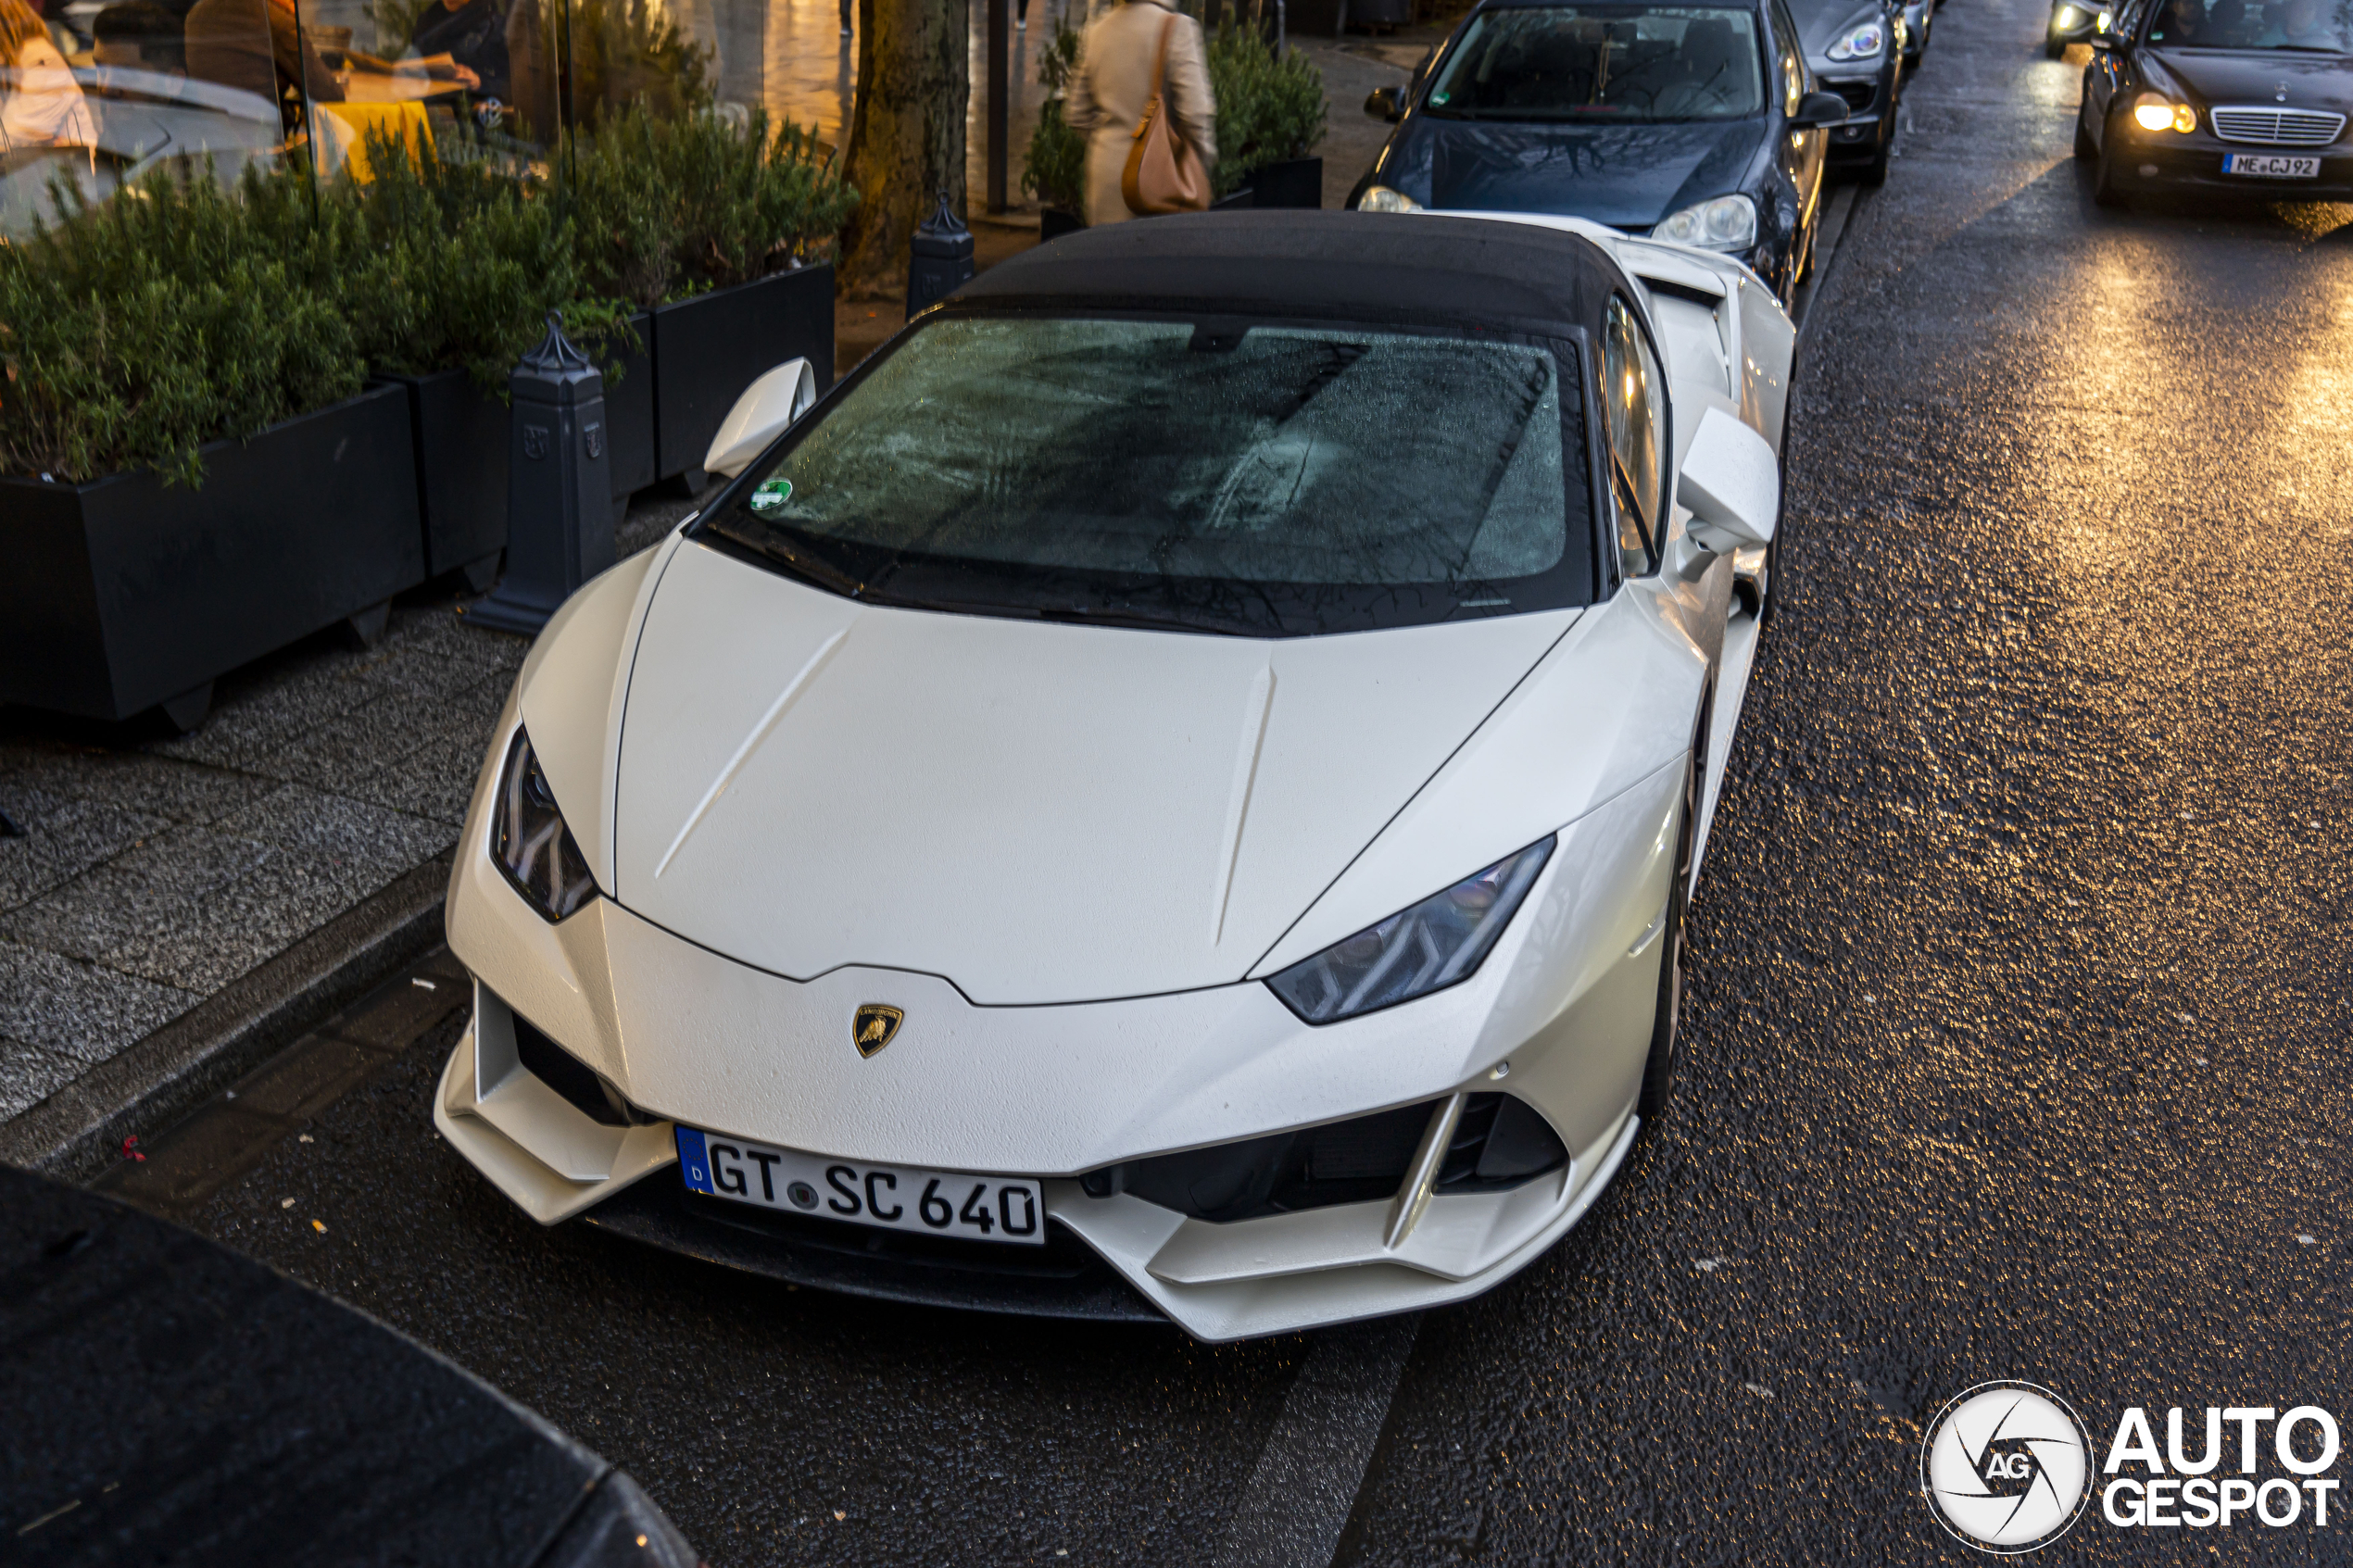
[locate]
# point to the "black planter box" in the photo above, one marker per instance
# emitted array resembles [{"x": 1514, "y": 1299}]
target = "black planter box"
[
  {"x": 629, "y": 410},
  {"x": 708, "y": 349},
  {"x": 459, "y": 438},
  {"x": 1296, "y": 182},
  {"x": 123, "y": 593}
]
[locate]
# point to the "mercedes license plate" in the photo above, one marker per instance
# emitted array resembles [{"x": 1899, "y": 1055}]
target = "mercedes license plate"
[
  {"x": 2266, "y": 166},
  {"x": 894, "y": 1196}
]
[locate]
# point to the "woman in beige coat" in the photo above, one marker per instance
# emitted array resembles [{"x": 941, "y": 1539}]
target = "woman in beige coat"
[{"x": 1115, "y": 80}]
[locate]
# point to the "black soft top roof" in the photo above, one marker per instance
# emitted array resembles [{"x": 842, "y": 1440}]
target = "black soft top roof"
[{"x": 1363, "y": 266}]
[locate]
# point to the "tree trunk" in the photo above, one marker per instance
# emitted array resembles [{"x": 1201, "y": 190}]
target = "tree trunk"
[{"x": 907, "y": 137}]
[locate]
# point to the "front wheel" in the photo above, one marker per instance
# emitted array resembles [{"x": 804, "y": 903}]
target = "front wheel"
[
  {"x": 2105, "y": 192},
  {"x": 2054, "y": 48},
  {"x": 2085, "y": 148},
  {"x": 1875, "y": 172},
  {"x": 1658, "y": 1070}
]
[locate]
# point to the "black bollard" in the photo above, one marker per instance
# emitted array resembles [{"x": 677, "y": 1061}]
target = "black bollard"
[
  {"x": 558, "y": 487},
  {"x": 940, "y": 261}
]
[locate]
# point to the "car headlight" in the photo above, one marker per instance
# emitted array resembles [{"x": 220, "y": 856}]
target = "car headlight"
[
  {"x": 2154, "y": 111},
  {"x": 1861, "y": 43},
  {"x": 1726, "y": 223},
  {"x": 1380, "y": 198},
  {"x": 1437, "y": 942},
  {"x": 2068, "y": 16},
  {"x": 533, "y": 846},
  {"x": 2100, "y": 23}
]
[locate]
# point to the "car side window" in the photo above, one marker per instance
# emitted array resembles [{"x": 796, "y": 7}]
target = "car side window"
[
  {"x": 1630, "y": 392},
  {"x": 1793, "y": 66}
]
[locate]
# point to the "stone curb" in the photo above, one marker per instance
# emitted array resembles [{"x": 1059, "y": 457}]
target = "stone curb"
[{"x": 77, "y": 1133}]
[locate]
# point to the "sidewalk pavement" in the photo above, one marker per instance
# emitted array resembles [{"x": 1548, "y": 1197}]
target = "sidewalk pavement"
[{"x": 155, "y": 879}]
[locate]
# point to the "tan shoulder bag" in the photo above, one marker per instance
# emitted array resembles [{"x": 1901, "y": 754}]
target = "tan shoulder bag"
[{"x": 1163, "y": 173}]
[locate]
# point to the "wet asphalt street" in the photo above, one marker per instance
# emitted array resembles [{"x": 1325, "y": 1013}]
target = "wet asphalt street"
[{"x": 2015, "y": 1046}]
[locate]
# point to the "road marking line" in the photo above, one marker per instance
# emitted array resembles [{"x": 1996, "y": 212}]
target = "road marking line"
[{"x": 1307, "y": 1476}]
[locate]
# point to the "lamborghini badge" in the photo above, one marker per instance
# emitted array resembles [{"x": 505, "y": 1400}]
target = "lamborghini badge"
[{"x": 873, "y": 1026}]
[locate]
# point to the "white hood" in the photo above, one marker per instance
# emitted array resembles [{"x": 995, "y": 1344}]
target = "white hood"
[{"x": 1037, "y": 812}]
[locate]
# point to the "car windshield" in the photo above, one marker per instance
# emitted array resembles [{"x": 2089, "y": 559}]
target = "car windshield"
[
  {"x": 2318, "y": 27},
  {"x": 1605, "y": 63},
  {"x": 1251, "y": 477}
]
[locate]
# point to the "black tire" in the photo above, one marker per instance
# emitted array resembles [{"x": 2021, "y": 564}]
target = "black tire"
[
  {"x": 2105, "y": 192},
  {"x": 2085, "y": 148},
  {"x": 2055, "y": 48},
  {"x": 1658, "y": 1070},
  {"x": 1874, "y": 173}
]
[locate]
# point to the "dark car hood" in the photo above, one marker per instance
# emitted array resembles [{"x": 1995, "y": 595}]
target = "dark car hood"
[
  {"x": 2255, "y": 76},
  {"x": 1627, "y": 176}
]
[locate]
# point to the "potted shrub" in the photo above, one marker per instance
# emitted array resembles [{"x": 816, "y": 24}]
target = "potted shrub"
[
  {"x": 192, "y": 473},
  {"x": 707, "y": 224},
  {"x": 461, "y": 265},
  {"x": 1270, "y": 116},
  {"x": 1054, "y": 169}
]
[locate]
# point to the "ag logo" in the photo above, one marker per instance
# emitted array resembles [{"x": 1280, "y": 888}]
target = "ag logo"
[
  {"x": 873, "y": 1026},
  {"x": 2006, "y": 1468}
]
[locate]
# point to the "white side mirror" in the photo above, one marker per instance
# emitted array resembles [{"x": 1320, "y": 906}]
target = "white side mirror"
[
  {"x": 760, "y": 415},
  {"x": 1731, "y": 481}
]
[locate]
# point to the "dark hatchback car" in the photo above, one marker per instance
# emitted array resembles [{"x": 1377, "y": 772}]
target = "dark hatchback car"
[
  {"x": 2239, "y": 97},
  {"x": 1696, "y": 122}
]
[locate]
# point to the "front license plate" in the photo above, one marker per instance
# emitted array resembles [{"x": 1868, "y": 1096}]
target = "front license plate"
[
  {"x": 2265, "y": 166},
  {"x": 894, "y": 1196}
]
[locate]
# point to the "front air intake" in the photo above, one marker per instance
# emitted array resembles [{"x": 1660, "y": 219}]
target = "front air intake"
[
  {"x": 1499, "y": 1143},
  {"x": 578, "y": 1083}
]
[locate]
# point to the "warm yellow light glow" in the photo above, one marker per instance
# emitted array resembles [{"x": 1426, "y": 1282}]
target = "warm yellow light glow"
[
  {"x": 2153, "y": 112},
  {"x": 2154, "y": 117}
]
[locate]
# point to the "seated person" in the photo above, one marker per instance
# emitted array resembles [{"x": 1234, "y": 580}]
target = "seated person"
[
  {"x": 140, "y": 36},
  {"x": 473, "y": 33},
  {"x": 2182, "y": 22},
  {"x": 2295, "y": 23},
  {"x": 40, "y": 104},
  {"x": 252, "y": 44},
  {"x": 2228, "y": 26}
]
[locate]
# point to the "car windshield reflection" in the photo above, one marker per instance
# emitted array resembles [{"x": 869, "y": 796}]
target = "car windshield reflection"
[
  {"x": 1256, "y": 479},
  {"x": 2319, "y": 27},
  {"x": 1614, "y": 63}
]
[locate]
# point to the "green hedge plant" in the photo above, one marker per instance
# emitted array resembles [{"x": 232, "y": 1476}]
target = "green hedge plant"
[
  {"x": 662, "y": 209},
  {"x": 1270, "y": 108},
  {"x": 1054, "y": 169},
  {"x": 138, "y": 328}
]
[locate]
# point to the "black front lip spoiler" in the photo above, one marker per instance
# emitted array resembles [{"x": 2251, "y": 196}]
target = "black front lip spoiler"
[{"x": 858, "y": 1260}]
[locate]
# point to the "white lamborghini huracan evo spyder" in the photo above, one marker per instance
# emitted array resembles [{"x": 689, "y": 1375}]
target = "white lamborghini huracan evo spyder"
[{"x": 1168, "y": 793}]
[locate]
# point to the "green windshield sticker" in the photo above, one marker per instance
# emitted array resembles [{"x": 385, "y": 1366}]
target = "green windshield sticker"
[{"x": 772, "y": 493}]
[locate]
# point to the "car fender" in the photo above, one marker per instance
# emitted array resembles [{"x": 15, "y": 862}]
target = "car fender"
[{"x": 572, "y": 688}]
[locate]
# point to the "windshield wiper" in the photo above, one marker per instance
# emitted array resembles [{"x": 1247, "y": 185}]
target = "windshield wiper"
[
  {"x": 809, "y": 569},
  {"x": 1145, "y": 620}
]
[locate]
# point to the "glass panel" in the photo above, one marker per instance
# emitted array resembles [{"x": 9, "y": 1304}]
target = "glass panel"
[
  {"x": 2298, "y": 25},
  {"x": 1633, "y": 416},
  {"x": 102, "y": 94},
  {"x": 1604, "y": 62},
  {"x": 1104, "y": 461}
]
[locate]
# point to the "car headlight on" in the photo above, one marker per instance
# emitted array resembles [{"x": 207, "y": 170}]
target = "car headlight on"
[
  {"x": 1861, "y": 43},
  {"x": 2154, "y": 111},
  {"x": 1427, "y": 947},
  {"x": 1726, "y": 223},
  {"x": 532, "y": 844},
  {"x": 2100, "y": 25},
  {"x": 2068, "y": 16},
  {"x": 1380, "y": 198}
]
